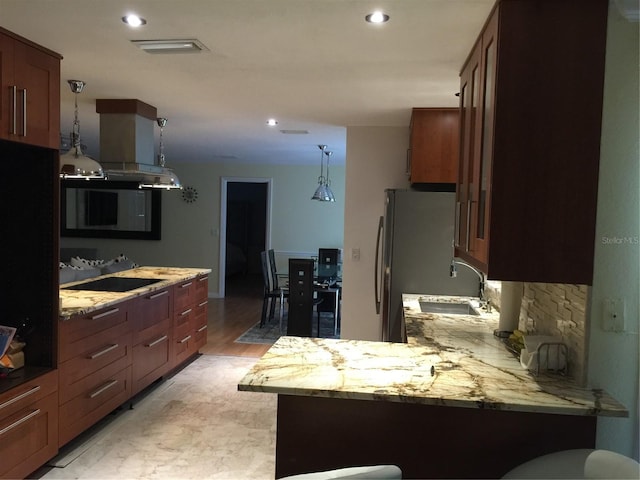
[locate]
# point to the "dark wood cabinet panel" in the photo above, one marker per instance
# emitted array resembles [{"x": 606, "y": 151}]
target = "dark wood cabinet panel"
[
  {"x": 434, "y": 140},
  {"x": 30, "y": 99},
  {"x": 530, "y": 143}
]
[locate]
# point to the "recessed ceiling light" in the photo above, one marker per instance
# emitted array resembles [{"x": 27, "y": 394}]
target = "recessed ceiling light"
[
  {"x": 190, "y": 45},
  {"x": 377, "y": 17},
  {"x": 134, "y": 20},
  {"x": 272, "y": 122}
]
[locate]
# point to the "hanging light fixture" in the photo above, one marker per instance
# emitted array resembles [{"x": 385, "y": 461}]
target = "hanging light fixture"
[
  {"x": 320, "y": 193},
  {"x": 74, "y": 164},
  {"x": 165, "y": 177}
]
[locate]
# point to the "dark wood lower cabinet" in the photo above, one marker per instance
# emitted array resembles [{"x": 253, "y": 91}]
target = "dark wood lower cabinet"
[
  {"x": 28, "y": 426},
  {"x": 315, "y": 434}
]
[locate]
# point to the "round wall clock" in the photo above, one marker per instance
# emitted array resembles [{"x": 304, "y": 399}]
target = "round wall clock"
[{"x": 189, "y": 194}]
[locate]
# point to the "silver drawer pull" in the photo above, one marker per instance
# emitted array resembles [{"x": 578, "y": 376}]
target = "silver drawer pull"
[
  {"x": 166, "y": 292},
  {"x": 105, "y": 314},
  {"x": 103, "y": 388},
  {"x": 203, "y": 303},
  {"x": 188, "y": 337},
  {"x": 202, "y": 328},
  {"x": 156, "y": 342},
  {"x": 18, "y": 422},
  {"x": 186, "y": 285},
  {"x": 186, "y": 312},
  {"x": 93, "y": 356},
  {"x": 20, "y": 397},
  {"x": 202, "y": 279}
]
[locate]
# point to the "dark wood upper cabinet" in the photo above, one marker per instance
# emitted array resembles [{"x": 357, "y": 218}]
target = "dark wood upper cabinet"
[
  {"x": 30, "y": 96},
  {"x": 433, "y": 152},
  {"x": 531, "y": 106}
]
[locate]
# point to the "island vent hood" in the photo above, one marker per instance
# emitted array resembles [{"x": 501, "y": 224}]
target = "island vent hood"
[{"x": 127, "y": 144}]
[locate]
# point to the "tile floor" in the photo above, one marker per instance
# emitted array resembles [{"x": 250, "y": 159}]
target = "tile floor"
[{"x": 194, "y": 425}]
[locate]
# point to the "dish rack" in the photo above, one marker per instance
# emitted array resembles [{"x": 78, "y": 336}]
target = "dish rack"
[{"x": 545, "y": 355}]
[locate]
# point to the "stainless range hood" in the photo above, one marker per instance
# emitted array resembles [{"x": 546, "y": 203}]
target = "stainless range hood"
[{"x": 127, "y": 144}]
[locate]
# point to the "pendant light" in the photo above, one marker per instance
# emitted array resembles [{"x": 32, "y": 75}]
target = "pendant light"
[
  {"x": 164, "y": 177},
  {"x": 74, "y": 164},
  {"x": 320, "y": 193}
]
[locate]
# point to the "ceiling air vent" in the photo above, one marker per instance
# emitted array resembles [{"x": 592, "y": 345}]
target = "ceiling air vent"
[
  {"x": 294, "y": 132},
  {"x": 190, "y": 45}
]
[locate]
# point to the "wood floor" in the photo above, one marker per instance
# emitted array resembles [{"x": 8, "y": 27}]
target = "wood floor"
[{"x": 231, "y": 316}]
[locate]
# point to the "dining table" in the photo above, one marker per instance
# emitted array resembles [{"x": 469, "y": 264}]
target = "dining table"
[{"x": 333, "y": 288}]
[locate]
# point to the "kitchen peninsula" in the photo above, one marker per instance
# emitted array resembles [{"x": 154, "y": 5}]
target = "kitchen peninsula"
[{"x": 452, "y": 403}]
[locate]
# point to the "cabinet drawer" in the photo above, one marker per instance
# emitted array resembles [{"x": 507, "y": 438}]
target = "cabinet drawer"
[
  {"x": 202, "y": 288},
  {"x": 27, "y": 393},
  {"x": 148, "y": 312},
  {"x": 86, "y": 333},
  {"x": 29, "y": 437},
  {"x": 81, "y": 372},
  {"x": 199, "y": 324},
  {"x": 184, "y": 295},
  {"x": 183, "y": 317},
  {"x": 103, "y": 395},
  {"x": 183, "y": 348},
  {"x": 150, "y": 355}
]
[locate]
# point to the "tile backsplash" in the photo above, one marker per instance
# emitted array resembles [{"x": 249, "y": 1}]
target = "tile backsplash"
[{"x": 561, "y": 310}]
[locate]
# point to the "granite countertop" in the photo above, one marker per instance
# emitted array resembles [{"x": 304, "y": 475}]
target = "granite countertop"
[
  {"x": 450, "y": 360},
  {"x": 80, "y": 302}
]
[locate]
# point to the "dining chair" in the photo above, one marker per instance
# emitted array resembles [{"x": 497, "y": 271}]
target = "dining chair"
[
  {"x": 301, "y": 297},
  {"x": 270, "y": 294},
  {"x": 328, "y": 276}
]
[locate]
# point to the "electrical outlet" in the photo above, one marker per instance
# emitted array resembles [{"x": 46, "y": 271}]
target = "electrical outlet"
[
  {"x": 613, "y": 315},
  {"x": 355, "y": 254}
]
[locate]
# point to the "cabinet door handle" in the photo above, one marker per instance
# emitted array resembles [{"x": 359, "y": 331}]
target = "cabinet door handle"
[
  {"x": 166, "y": 292},
  {"x": 24, "y": 112},
  {"x": 186, "y": 312},
  {"x": 105, "y": 314},
  {"x": 202, "y": 279},
  {"x": 156, "y": 342},
  {"x": 20, "y": 396},
  {"x": 187, "y": 338},
  {"x": 467, "y": 248},
  {"x": 103, "y": 388},
  {"x": 203, "y": 303},
  {"x": 202, "y": 329},
  {"x": 93, "y": 356},
  {"x": 456, "y": 225},
  {"x": 14, "y": 106},
  {"x": 20, "y": 421},
  {"x": 186, "y": 285}
]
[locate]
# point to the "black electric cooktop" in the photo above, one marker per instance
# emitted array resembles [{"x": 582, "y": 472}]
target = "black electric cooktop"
[{"x": 114, "y": 284}]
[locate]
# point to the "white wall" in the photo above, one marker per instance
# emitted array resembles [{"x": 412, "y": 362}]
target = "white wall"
[
  {"x": 613, "y": 357},
  {"x": 190, "y": 232},
  {"x": 376, "y": 159}
]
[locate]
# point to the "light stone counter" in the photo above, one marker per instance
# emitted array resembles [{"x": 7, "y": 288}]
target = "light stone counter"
[
  {"x": 450, "y": 360},
  {"x": 80, "y": 302}
]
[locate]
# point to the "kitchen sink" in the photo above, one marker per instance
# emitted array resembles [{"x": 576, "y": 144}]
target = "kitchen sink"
[
  {"x": 448, "y": 308},
  {"x": 114, "y": 284}
]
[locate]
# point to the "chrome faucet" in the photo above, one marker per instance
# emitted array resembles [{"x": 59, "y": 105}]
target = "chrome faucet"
[{"x": 453, "y": 272}]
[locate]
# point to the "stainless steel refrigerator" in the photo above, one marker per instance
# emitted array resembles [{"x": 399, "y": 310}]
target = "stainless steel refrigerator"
[{"x": 413, "y": 254}]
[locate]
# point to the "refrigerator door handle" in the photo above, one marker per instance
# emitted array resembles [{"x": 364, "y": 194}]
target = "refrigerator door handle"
[{"x": 377, "y": 274}]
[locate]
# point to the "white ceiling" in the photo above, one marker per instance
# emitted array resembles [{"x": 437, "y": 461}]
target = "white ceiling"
[{"x": 314, "y": 65}]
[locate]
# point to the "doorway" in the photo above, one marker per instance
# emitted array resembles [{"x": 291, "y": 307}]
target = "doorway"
[{"x": 245, "y": 231}]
